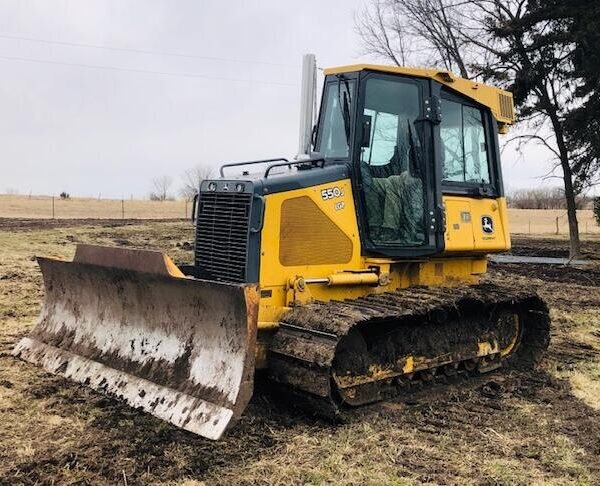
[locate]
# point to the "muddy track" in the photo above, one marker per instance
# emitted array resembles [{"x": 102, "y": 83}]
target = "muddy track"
[{"x": 321, "y": 355}]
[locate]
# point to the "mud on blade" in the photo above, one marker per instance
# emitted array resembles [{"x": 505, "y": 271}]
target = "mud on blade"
[{"x": 128, "y": 323}]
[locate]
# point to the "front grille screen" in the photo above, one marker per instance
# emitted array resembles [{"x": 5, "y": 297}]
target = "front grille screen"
[
  {"x": 222, "y": 235},
  {"x": 506, "y": 106}
]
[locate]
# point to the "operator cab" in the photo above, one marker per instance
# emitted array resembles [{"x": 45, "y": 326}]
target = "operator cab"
[{"x": 410, "y": 139}]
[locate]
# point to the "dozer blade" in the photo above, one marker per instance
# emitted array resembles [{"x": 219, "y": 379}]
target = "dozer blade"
[{"x": 130, "y": 324}]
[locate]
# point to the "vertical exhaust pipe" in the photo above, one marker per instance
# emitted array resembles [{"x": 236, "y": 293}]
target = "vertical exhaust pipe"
[{"x": 307, "y": 104}]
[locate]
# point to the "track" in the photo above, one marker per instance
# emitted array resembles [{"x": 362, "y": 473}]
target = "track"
[{"x": 332, "y": 354}]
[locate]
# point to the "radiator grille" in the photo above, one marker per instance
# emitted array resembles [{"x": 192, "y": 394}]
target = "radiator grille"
[
  {"x": 222, "y": 235},
  {"x": 506, "y": 106}
]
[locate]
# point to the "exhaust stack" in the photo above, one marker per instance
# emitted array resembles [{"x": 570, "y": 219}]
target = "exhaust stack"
[{"x": 307, "y": 105}]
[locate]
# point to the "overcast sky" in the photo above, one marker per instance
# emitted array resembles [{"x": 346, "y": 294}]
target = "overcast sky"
[{"x": 232, "y": 92}]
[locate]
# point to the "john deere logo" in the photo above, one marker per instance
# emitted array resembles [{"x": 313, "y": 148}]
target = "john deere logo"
[{"x": 487, "y": 224}]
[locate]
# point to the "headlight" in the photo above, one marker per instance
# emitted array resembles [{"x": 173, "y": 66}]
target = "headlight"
[
  {"x": 240, "y": 187},
  {"x": 212, "y": 186}
]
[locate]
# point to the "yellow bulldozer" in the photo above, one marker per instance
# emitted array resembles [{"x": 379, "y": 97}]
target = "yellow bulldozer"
[{"x": 348, "y": 274}]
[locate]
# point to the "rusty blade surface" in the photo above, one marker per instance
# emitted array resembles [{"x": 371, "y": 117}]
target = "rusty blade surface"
[{"x": 179, "y": 348}]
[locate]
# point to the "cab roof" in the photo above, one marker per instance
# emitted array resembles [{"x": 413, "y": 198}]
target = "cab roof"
[{"x": 498, "y": 100}]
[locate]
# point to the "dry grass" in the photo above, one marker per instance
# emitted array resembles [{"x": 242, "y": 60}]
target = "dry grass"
[
  {"x": 583, "y": 374},
  {"x": 541, "y": 427},
  {"x": 12, "y": 206},
  {"x": 543, "y": 221}
]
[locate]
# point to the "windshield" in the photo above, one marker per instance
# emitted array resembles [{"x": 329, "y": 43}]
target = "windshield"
[{"x": 335, "y": 122}]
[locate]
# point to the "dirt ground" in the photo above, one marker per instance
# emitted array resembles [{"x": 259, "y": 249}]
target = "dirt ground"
[{"x": 509, "y": 427}]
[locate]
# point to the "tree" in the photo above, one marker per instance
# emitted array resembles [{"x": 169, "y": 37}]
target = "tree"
[
  {"x": 423, "y": 30},
  {"x": 524, "y": 46},
  {"x": 191, "y": 180},
  {"x": 583, "y": 122},
  {"x": 161, "y": 186}
]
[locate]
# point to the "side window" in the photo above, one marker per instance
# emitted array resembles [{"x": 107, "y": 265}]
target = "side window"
[
  {"x": 464, "y": 148},
  {"x": 335, "y": 123}
]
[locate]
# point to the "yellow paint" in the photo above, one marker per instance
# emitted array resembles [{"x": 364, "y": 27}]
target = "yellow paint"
[
  {"x": 345, "y": 278},
  {"x": 409, "y": 366},
  {"x": 172, "y": 269},
  {"x": 511, "y": 345},
  {"x": 463, "y": 261},
  {"x": 485, "y": 348},
  {"x": 464, "y": 232},
  {"x": 454, "y": 267},
  {"x": 276, "y": 277},
  {"x": 482, "y": 93}
]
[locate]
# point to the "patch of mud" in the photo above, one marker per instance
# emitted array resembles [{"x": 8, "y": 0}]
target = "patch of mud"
[
  {"x": 16, "y": 224},
  {"x": 551, "y": 273},
  {"x": 119, "y": 441},
  {"x": 486, "y": 410},
  {"x": 552, "y": 247}
]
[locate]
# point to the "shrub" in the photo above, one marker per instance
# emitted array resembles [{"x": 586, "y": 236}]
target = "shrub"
[{"x": 543, "y": 198}]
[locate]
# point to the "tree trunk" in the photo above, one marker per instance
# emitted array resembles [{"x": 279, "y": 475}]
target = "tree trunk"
[
  {"x": 575, "y": 244},
  {"x": 575, "y": 248}
]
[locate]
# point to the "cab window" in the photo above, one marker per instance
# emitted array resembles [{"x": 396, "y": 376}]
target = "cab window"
[
  {"x": 464, "y": 147},
  {"x": 335, "y": 121}
]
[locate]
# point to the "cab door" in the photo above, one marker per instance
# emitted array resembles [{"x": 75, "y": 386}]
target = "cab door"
[{"x": 393, "y": 161}]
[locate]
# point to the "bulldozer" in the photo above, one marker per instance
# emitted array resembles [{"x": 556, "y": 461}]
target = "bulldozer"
[{"x": 347, "y": 275}]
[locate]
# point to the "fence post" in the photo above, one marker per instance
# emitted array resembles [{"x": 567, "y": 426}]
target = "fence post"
[
  {"x": 530, "y": 226},
  {"x": 52, "y": 207},
  {"x": 186, "y": 201},
  {"x": 122, "y": 209},
  {"x": 557, "y": 225}
]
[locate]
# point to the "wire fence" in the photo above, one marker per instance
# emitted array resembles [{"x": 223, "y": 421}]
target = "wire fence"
[
  {"x": 54, "y": 207},
  {"x": 550, "y": 221}
]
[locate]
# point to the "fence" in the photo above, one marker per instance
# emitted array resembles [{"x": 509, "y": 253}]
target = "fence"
[
  {"x": 12, "y": 206},
  {"x": 550, "y": 221}
]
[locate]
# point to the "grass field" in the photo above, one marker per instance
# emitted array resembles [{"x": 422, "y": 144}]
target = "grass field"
[
  {"x": 77, "y": 208},
  {"x": 505, "y": 428},
  {"x": 524, "y": 221}
]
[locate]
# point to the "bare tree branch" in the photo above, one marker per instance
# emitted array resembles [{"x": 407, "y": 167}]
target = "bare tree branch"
[
  {"x": 161, "y": 186},
  {"x": 191, "y": 180}
]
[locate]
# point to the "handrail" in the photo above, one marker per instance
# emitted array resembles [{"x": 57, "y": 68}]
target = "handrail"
[
  {"x": 250, "y": 162},
  {"x": 313, "y": 162}
]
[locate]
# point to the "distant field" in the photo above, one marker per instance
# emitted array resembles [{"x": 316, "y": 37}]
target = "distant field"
[
  {"x": 526, "y": 221},
  {"x": 41, "y": 207},
  {"x": 543, "y": 221}
]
